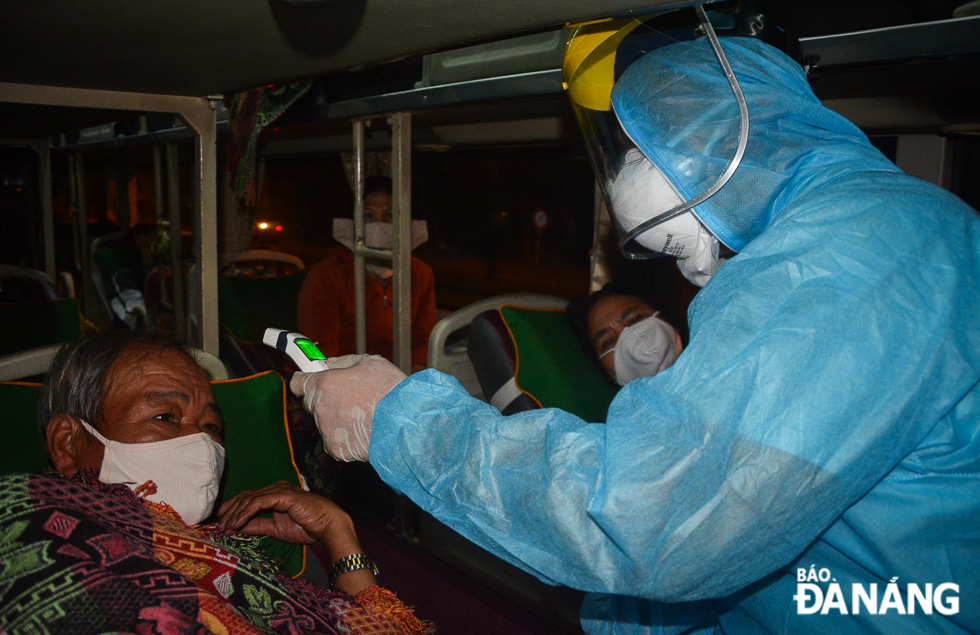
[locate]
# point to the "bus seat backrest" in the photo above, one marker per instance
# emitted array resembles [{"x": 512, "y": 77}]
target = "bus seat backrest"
[
  {"x": 528, "y": 358},
  {"x": 30, "y": 325},
  {"x": 21, "y": 365},
  {"x": 19, "y": 285},
  {"x": 248, "y": 306},
  {"x": 112, "y": 254},
  {"x": 261, "y": 263},
  {"x": 21, "y": 449},
  {"x": 450, "y": 357},
  {"x": 494, "y": 358}
]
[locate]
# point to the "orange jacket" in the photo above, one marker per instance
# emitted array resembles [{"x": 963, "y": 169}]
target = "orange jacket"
[{"x": 326, "y": 309}]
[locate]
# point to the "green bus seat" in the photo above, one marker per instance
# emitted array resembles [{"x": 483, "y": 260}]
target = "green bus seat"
[
  {"x": 248, "y": 306},
  {"x": 35, "y": 324},
  {"x": 529, "y": 358}
]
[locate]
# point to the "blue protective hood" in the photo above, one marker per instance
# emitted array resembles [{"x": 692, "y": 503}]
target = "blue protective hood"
[{"x": 679, "y": 109}]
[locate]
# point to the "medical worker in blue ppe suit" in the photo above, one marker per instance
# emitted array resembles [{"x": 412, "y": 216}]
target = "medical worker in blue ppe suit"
[{"x": 824, "y": 419}]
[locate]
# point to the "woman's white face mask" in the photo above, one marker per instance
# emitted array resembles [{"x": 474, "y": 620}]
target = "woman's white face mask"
[
  {"x": 186, "y": 470},
  {"x": 640, "y": 192},
  {"x": 644, "y": 349}
]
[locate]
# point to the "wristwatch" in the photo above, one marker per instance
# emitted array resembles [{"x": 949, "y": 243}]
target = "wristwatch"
[{"x": 350, "y": 563}]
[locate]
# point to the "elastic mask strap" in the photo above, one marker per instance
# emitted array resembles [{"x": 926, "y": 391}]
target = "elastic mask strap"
[
  {"x": 95, "y": 433},
  {"x": 743, "y": 139}
]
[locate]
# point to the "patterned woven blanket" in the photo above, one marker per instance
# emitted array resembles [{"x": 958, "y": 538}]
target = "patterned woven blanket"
[{"x": 80, "y": 556}]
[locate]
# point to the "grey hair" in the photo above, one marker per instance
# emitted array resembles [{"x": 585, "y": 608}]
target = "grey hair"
[{"x": 78, "y": 381}]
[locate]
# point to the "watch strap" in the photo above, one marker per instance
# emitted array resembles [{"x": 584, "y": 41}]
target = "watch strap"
[{"x": 350, "y": 563}]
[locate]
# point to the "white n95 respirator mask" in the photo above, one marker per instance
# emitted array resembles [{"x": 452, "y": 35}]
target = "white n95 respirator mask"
[
  {"x": 640, "y": 192},
  {"x": 186, "y": 470},
  {"x": 644, "y": 349}
]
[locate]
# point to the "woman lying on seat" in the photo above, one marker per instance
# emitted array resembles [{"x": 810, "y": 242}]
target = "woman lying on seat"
[
  {"x": 109, "y": 540},
  {"x": 623, "y": 334}
]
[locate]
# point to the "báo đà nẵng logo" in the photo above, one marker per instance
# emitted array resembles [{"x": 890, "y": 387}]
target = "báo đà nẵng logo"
[{"x": 871, "y": 599}]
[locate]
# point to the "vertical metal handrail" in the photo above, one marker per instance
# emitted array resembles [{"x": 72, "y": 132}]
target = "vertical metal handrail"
[
  {"x": 43, "y": 150},
  {"x": 401, "y": 253},
  {"x": 176, "y": 260},
  {"x": 360, "y": 299},
  {"x": 73, "y": 210},
  {"x": 81, "y": 216},
  {"x": 202, "y": 121},
  {"x": 160, "y": 215},
  {"x": 401, "y": 212},
  {"x": 158, "y": 183},
  {"x": 600, "y": 271}
]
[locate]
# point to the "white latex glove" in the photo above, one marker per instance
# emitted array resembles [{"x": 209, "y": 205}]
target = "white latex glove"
[{"x": 342, "y": 400}]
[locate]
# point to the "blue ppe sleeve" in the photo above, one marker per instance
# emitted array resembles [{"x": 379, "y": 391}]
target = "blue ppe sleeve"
[
  {"x": 827, "y": 405},
  {"x": 819, "y": 360}
]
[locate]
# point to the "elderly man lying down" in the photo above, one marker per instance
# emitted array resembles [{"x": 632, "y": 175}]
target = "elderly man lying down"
[{"x": 109, "y": 540}]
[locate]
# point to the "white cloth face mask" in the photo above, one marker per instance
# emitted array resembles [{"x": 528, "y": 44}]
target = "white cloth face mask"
[
  {"x": 186, "y": 470},
  {"x": 377, "y": 236},
  {"x": 640, "y": 192},
  {"x": 644, "y": 349}
]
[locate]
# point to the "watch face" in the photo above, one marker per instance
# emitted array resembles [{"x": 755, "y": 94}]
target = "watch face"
[{"x": 309, "y": 349}]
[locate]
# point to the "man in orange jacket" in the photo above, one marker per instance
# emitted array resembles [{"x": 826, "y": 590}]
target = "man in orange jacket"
[{"x": 326, "y": 301}]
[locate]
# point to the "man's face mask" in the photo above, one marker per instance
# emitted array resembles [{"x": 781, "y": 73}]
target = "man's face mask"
[
  {"x": 644, "y": 349},
  {"x": 377, "y": 236},
  {"x": 186, "y": 470},
  {"x": 640, "y": 192}
]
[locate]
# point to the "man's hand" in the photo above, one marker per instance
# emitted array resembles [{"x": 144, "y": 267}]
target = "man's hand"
[
  {"x": 342, "y": 400},
  {"x": 298, "y": 516}
]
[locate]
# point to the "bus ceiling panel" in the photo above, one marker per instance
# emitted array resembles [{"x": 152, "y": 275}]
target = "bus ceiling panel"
[
  {"x": 926, "y": 40},
  {"x": 511, "y": 132},
  {"x": 536, "y": 120},
  {"x": 513, "y": 56},
  {"x": 523, "y": 131},
  {"x": 194, "y": 48},
  {"x": 532, "y": 84},
  {"x": 116, "y": 141},
  {"x": 901, "y": 114},
  {"x": 321, "y": 145},
  {"x": 530, "y": 66},
  {"x": 948, "y": 79},
  {"x": 299, "y": 123}
]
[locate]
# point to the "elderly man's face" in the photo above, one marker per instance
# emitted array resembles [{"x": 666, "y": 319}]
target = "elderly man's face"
[{"x": 153, "y": 397}]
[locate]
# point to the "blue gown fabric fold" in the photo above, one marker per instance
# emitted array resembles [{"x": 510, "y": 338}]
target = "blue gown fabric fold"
[{"x": 826, "y": 411}]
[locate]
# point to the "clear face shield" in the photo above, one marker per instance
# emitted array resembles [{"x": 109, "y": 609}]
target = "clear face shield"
[{"x": 658, "y": 148}]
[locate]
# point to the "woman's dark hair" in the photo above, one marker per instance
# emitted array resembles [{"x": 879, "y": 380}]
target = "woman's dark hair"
[
  {"x": 578, "y": 310},
  {"x": 78, "y": 381},
  {"x": 374, "y": 184}
]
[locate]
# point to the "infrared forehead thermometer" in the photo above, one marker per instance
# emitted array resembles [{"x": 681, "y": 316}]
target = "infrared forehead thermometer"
[{"x": 299, "y": 348}]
